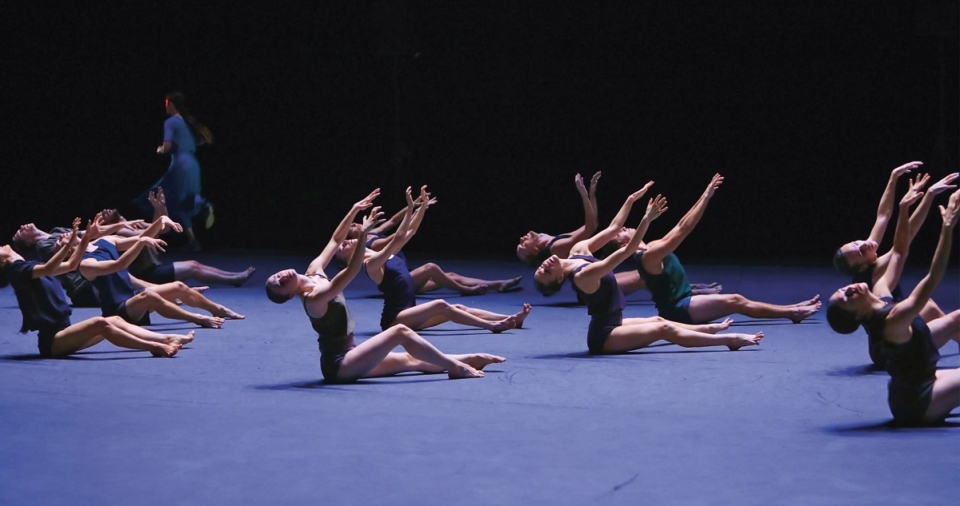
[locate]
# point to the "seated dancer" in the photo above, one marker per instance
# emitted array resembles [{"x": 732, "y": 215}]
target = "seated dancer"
[
  {"x": 918, "y": 393},
  {"x": 661, "y": 270},
  {"x": 594, "y": 281},
  {"x": 133, "y": 299},
  {"x": 44, "y": 306},
  {"x": 388, "y": 269},
  {"x": 843, "y": 321},
  {"x": 428, "y": 277},
  {"x": 536, "y": 247},
  {"x": 859, "y": 259},
  {"x": 341, "y": 360}
]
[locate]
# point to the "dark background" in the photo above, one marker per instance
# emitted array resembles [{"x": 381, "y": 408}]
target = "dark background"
[{"x": 805, "y": 107}]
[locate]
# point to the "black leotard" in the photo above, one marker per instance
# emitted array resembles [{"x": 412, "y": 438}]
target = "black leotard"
[
  {"x": 43, "y": 304},
  {"x": 605, "y": 307},
  {"x": 335, "y": 336},
  {"x": 546, "y": 253},
  {"x": 399, "y": 291}
]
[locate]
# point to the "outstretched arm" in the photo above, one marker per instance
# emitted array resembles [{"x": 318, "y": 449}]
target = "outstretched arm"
[
  {"x": 345, "y": 276},
  {"x": 901, "y": 245},
  {"x": 885, "y": 209},
  {"x": 425, "y": 202},
  {"x": 657, "y": 250},
  {"x": 562, "y": 245},
  {"x": 588, "y": 279},
  {"x": 908, "y": 309},
  {"x": 398, "y": 240},
  {"x": 920, "y": 213},
  {"x": 56, "y": 265},
  {"x": 326, "y": 255},
  {"x": 91, "y": 268}
]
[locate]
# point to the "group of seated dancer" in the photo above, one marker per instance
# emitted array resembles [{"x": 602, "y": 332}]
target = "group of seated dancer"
[
  {"x": 904, "y": 334},
  {"x": 45, "y": 309},
  {"x": 535, "y": 247},
  {"x": 386, "y": 265},
  {"x": 341, "y": 359},
  {"x": 32, "y": 242},
  {"x": 683, "y": 316}
]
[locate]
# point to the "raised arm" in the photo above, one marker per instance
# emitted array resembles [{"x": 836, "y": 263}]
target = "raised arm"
[
  {"x": 885, "y": 209},
  {"x": 908, "y": 309},
  {"x": 657, "y": 250},
  {"x": 901, "y": 245},
  {"x": 418, "y": 213},
  {"x": 56, "y": 265},
  {"x": 920, "y": 213},
  {"x": 588, "y": 279},
  {"x": 345, "y": 276},
  {"x": 398, "y": 240},
  {"x": 587, "y": 247},
  {"x": 328, "y": 252},
  {"x": 92, "y": 268}
]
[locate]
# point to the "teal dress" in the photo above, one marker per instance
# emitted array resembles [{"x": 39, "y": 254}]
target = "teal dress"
[{"x": 181, "y": 182}]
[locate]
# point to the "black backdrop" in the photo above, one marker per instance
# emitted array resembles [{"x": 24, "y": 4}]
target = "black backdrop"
[{"x": 803, "y": 106}]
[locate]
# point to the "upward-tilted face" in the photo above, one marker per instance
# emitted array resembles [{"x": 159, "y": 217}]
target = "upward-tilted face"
[
  {"x": 624, "y": 236},
  {"x": 550, "y": 271},
  {"x": 110, "y": 216},
  {"x": 860, "y": 253},
  {"x": 8, "y": 255},
  {"x": 284, "y": 283},
  {"x": 529, "y": 245},
  {"x": 854, "y": 297},
  {"x": 354, "y": 231},
  {"x": 28, "y": 234},
  {"x": 345, "y": 250}
]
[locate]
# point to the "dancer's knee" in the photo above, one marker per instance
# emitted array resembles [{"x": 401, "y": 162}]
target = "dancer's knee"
[{"x": 461, "y": 307}]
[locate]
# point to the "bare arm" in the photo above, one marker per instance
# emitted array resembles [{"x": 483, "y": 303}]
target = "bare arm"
[
  {"x": 91, "y": 268},
  {"x": 901, "y": 246},
  {"x": 885, "y": 209},
  {"x": 662, "y": 247},
  {"x": 56, "y": 264},
  {"x": 345, "y": 276},
  {"x": 327, "y": 254},
  {"x": 396, "y": 242},
  {"x": 908, "y": 309},
  {"x": 920, "y": 213},
  {"x": 587, "y": 247}
]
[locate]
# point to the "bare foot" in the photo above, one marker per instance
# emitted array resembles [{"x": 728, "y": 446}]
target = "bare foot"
[
  {"x": 707, "y": 290},
  {"x": 200, "y": 289},
  {"x": 241, "y": 279},
  {"x": 227, "y": 313},
  {"x": 181, "y": 340},
  {"x": 504, "y": 324},
  {"x": 802, "y": 312},
  {"x": 713, "y": 328},
  {"x": 473, "y": 290},
  {"x": 210, "y": 322},
  {"x": 165, "y": 350},
  {"x": 506, "y": 284},
  {"x": 522, "y": 315},
  {"x": 480, "y": 360},
  {"x": 809, "y": 302},
  {"x": 461, "y": 370},
  {"x": 738, "y": 341}
]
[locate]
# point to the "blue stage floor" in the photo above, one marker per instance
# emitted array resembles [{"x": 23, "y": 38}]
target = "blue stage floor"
[{"x": 241, "y": 416}]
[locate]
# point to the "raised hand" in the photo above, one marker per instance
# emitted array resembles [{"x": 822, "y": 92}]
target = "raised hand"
[
  {"x": 949, "y": 213},
  {"x": 593, "y": 183},
  {"x": 656, "y": 207},
  {"x": 913, "y": 194},
  {"x": 155, "y": 245},
  {"x": 167, "y": 222},
  {"x": 581, "y": 189},
  {"x": 919, "y": 182},
  {"x": 367, "y": 201},
  {"x": 93, "y": 230},
  {"x": 904, "y": 169},
  {"x": 374, "y": 218},
  {"x": 639, "y": 193},
  {"x": 160, "y": 197},
  {"x": 944, "y": 184},
  {"x": 714, "y": 184},
  {"x": 424, "y": 195}
]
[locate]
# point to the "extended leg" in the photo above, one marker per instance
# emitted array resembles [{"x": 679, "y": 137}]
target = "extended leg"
[
  {"x": 631, "y": 337},
  {"x": 179, "y": 291},
  {"x": 429, "y": 277},
  {"x": 207, "y": 274},
  {"x": 945, "y": 329},
  {"x": 436, "y": 312},
  {"x": 705, "y": 308},
  {"x": 87, "y": 333},
  {"x": 374, "y": 357},
  {"x": 149, "y": 335},
  {"x": 149, "y": 300}
]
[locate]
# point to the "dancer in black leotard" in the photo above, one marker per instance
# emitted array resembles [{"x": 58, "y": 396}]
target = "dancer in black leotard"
[
  {"x": 341, "y": 360},
  {"x": 44, "y": 307},
  {"x": 609, "y": 332},
  {"x": 388, "y": 268},
  {"x": 859, "y": 259},
  {"x": 918, "y": 393},
  {"x": 536, "y": 247}
]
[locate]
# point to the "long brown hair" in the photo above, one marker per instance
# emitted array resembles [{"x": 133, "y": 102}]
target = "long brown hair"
[{"x": 201, "y": 134}]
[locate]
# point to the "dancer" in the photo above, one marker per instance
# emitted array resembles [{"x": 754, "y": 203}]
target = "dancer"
[
  {"x": 119, "y": 295},
  {"x": 918, "y": 393},
  {"x": 535, "y": 247},
  {"x": 430, "y": 276},
  {"x": 44, "y": 306},
  {"x": 388, "y": 269},
  {"x": 594, "y": 281},
  {"x": 181, "y": 136},
  {"x": 341, "y": 360},
  {"x": 661, "y": 270},
  {"x": 859, "y": 259}
]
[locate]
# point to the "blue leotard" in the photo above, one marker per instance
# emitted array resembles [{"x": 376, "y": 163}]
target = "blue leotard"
[
  {"x": 670, "y": 290},
  {"x": 399, "y": 291},
  {"x": 546, "y": 253},
  {"x": 912, "y": 367},
  {"x": 43, "y": 304},
  {"x": 605, "y": 307},
  {"x": 114, "y": 289}
]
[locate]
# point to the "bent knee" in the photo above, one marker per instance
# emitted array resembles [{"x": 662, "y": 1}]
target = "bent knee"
[{"x": 461, "y": 307}]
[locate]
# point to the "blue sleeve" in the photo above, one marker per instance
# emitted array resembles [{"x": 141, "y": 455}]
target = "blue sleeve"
[
  {"x": 21, "y": 271},
  {"x": 168, "y": 129}
]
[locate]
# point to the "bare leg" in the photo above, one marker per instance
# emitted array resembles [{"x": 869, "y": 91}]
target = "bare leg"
[
  {"x": 435, "y": 312},
  {"x": 945, "y": 329},
  {"x": 87, "y": 333},
  {"x": 149, "y": 335},
  {"x": 632, "y": 337},
  {"x": 373, "y": 357},
  {"x": 630, "y": 281},
  {"x": 429, "y": 277},
  {"x": 946, "y": 395},
  {"x": 179, "y": 291},
  {"x": 931, "y": 311},
  {"x": 207, "y": 274},
  {"x": 709, "y": 328},
  {"x": 151, "y": 301},
  {"x": 705, "y": 308}
]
